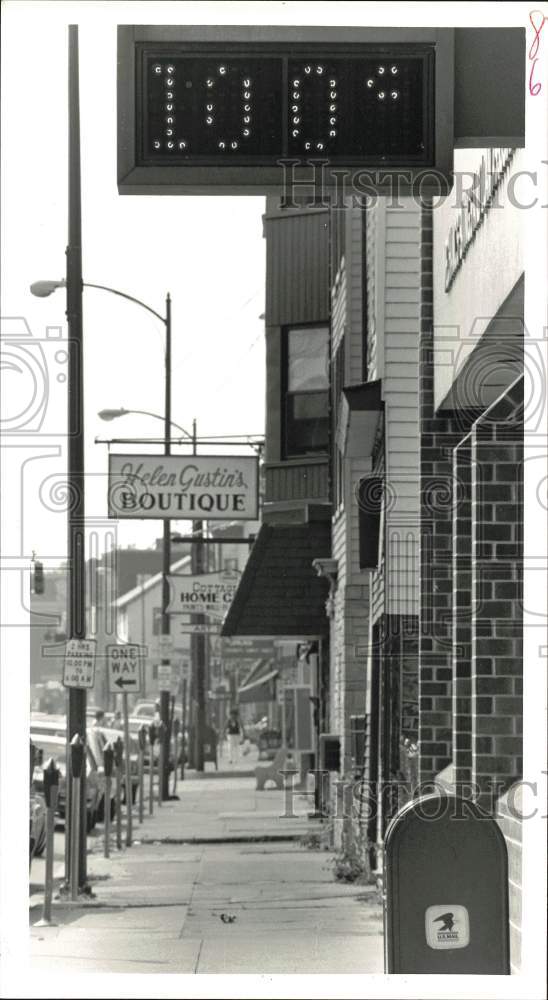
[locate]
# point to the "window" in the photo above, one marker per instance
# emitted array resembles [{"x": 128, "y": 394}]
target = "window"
[{"x": 307, "y": 391}]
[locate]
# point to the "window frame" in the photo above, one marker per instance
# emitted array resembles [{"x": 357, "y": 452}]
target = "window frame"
[{"x": 290, "y": 454}]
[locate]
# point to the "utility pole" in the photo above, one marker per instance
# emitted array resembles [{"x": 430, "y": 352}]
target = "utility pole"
[
  {"x": 198, "y": 642},
  {"x": 166, "y": 563},
  {"x": 76, "y": 590}
]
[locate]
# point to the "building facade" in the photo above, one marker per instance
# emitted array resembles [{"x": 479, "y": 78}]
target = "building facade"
[{"x": 394, "y": 454}]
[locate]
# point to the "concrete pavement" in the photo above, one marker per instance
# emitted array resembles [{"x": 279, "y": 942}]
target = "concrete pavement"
[{"x": 184, "y": 900}]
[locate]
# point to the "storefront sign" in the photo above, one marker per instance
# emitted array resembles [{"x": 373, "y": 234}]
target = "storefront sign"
[
  {"x": 477, "y": 202},
  {"x": 193, "y": 488},
  {"x": 197, "y": 628},
  {"x": 208, "y": 593}
]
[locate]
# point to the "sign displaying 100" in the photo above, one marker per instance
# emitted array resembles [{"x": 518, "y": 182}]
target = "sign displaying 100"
[{"x": 226, "y": 108}]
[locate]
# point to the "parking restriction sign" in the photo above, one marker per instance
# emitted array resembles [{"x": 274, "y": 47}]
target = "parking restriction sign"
[
  {"x": 124, "y": 668},
  {"x": 79, "y": 666}
]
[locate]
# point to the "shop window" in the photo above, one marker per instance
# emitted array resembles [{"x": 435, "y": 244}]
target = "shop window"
[{"x": 307, "y": 391}]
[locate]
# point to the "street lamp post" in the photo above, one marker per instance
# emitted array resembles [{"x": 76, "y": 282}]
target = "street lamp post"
[{"x": 45, "y": 288}]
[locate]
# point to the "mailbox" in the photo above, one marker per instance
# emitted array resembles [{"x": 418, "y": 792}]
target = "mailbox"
[{"x": 446, "y": 890}]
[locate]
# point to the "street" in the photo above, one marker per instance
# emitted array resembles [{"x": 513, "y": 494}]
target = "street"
[{"x": 246, "y": 895}]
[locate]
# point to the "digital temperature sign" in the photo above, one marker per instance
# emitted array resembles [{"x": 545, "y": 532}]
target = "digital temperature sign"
[
  {"x": 256, "y": 109},
  {"x": 205, "y": 108}
]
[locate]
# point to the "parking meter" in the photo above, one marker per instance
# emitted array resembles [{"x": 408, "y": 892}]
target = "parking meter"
[
  {"x": 176, "y": 729},
  {"x": 76, "y": 756},
  {"x": 108, "y": 764},
  {"x": 51, "y": 787},
  {"x": 446, "y": 890},
  {"x": 118, "y": 751},
  {"x": 152, "y": 733},
  {"x": 51, "y": 783},
  {"x": 108, "y": 759},
  {"x": 142, "y": 738}
]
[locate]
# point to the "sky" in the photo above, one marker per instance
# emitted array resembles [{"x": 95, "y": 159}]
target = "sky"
[{"x": 208, "y": 252}]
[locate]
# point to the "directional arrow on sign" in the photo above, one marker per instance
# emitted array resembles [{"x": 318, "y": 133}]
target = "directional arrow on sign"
[{"x": 124, "y": 668}]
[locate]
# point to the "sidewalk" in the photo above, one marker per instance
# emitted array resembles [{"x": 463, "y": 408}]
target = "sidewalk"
[{"x": 183, "y": 899}]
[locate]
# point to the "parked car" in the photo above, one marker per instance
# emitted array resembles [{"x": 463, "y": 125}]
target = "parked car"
[
  {"x": 145, "y": 710},
  {"x": 56, "y": 726},
  {"x": 37, "y": 813},
  {"x": 37, "y": 825},
  {"x": 135, "y": 723},
  {"x": 99, "y": 736},
  {"x": 56, "y": 747}
]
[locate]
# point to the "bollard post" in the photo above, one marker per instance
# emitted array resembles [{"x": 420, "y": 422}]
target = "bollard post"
[
  {"x": 118, "y": 758},
  {"x": 77, "y": 750},
  {"x": 129, "y": 785},
  {"x": 108, "y": 761},
  {"x": 142, "y": 747},
  {"x": 161, "y": 762},
  {"x": 51, "y": 788},
  {"x": 152, "y": 740},
  {"x": 176, "y": 727}
]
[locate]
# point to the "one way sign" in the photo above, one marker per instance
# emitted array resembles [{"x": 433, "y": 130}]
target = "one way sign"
[{"x": 124, "y": 668}]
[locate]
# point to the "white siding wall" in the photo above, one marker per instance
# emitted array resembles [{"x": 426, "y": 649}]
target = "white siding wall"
[{"x": 399, "y": 257}]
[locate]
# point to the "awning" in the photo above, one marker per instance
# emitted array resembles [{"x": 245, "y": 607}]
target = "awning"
[
  {"x": 280, "y": 593},
  {"x": 358, "y": 419},
  {"x": 261, "y": 688}
]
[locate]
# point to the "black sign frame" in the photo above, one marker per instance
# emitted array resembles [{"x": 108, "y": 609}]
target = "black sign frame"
[{"x": 137, "y": 176}]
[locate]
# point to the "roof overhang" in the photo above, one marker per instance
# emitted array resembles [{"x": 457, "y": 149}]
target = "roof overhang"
[{"x": 279, "y": 593}]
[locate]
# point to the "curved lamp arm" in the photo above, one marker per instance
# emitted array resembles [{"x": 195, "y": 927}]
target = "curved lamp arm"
[{"x": 121, "y": 412}]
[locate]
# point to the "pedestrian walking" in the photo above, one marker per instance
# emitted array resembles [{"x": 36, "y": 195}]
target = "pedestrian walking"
[{"x": 235, "y": 733}]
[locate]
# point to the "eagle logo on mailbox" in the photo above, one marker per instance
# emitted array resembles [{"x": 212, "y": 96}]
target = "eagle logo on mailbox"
[
  {"x": 447, "y": 926},
  {"x": 448, "y": 922}
]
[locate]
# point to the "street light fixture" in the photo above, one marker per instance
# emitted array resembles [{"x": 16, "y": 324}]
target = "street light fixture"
[
  {"x": 44, "y": 288},
  {"x": 109, "y": 414}
]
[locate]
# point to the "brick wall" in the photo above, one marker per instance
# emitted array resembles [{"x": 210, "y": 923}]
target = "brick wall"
[
  {"x": 497, "y": 571},
  {"x": 440, "y": 433},
  {"x": 462, "y": 612}
]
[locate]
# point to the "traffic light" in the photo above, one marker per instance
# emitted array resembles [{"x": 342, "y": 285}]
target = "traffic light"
[{"x": 38, "y": 577}]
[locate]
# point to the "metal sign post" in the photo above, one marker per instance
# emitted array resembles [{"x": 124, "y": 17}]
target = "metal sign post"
[
  {"x": 77, "y": 750},
  {"x": 118, "y": 759},
  {"x": 142, "y": 746},
  {"x": 161, "y": 758},
  {"x": 108, "y": 759},
  {"x": 129, "y": 787},
  {"x": 176, "y": 728},
  {"x": 152, "y": 741}
]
